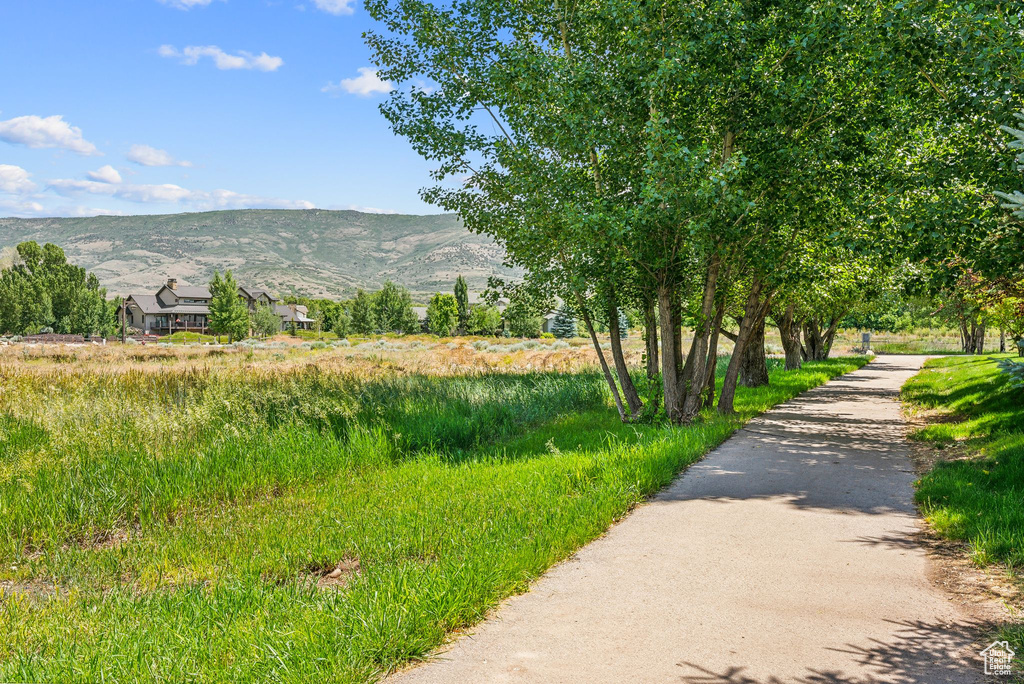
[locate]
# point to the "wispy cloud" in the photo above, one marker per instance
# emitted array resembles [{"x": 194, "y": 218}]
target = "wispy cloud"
[
  {"x": 191, "y": 55},
  {"x": 145, "y": 155},
  {"x": 168, "y": 193},
  {"x": 367, "y": 83},
  {"x": 46, "y": 132},
  {"x": 15, "y": 180},
  {"x": 335, "y": 7}
]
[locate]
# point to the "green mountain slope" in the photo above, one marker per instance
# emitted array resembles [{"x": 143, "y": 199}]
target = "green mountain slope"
[{"x": 314, "y": 252}]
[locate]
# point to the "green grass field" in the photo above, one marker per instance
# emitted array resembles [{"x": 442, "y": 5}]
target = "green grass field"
[
  {"x": 977, "y": 497},
  {"x": 161, "y": 523}
]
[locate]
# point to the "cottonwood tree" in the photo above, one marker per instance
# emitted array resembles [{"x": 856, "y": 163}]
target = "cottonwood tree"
[
  {"x": 443, "y": 314},
  {"x": 668, "y": 153}
]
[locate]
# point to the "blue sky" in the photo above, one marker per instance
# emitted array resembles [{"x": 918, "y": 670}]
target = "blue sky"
[{"x": 162, "y": 106}]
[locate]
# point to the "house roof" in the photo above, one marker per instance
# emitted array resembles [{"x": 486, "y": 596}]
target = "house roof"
[
  {"x": 288, "y": 315},
  {"x": 256, "y": 294},
  {"x": 147, "y": 303},
  {"x": 187, "y": 292}
]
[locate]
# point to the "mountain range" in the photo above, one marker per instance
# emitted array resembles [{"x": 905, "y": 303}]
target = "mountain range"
[{"x": 313, "y": 252}]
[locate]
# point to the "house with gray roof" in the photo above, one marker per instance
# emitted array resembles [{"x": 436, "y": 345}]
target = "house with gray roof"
[{"x": 175, "y": 307}]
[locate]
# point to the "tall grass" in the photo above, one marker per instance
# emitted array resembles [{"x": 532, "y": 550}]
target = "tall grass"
[{"x": 187, "y": 540}]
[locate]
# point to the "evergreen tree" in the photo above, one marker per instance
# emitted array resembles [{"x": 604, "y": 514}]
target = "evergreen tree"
[
  {"x": 228, "y": 313},
  {"x": 462, "y": 300},
  {"x": 564, "y": 324}
]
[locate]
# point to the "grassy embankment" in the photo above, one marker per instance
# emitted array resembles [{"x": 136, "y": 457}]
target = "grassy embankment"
[
  {"x": 166, "y": 521},
  {"x": 978, "y": 495}
]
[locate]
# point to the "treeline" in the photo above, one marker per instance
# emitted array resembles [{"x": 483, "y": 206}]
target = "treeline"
[
  {"x": 719, "y": 166},
  {"x": 40, "y": 292},
  {"x": 391, "y": 310}
]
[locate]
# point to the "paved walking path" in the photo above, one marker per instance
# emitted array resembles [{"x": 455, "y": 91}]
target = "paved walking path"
[{"x": 787, "y": 555}]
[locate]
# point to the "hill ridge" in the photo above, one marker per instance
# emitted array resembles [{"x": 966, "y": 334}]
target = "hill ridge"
[{"x": 314, "y": 252}]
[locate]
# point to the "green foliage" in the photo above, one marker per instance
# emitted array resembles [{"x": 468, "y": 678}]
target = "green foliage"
[
  {"x": 484, "y": 319},
  {"x": 364, "y": 314},
  {"x": 228, "y": 313},
  {"x": 265, "y": 321},
  {"x": 443, "y": 314},
  {"x": 392, "y": 306},
  {"x": 462, "y": 299},
  {"x": 40, "y": 289}
]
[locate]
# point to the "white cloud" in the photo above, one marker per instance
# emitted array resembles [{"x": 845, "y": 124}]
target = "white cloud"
[
  {"x": 186, "y": 4},
  {"x": 335, "y": 7},
  {"x": 42, "y": 132},
  {"x": 169, "y": 193},
  {"x": 21, "y": 208},
  {"x": 15, "y": 180},
  {"x": 151, "y": 156},
  {"x": 365, "y": 84},
  {"x": 191, "y": 55},
  {"x": 105, "y": 174}
]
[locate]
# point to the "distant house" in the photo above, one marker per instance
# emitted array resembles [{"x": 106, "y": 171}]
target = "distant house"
[
  {"x": 293, "y": 314},
  {"x": 172, "y": 308},
  {"x": 175, "y": 308},
  {"x": 548, "y": 322}
]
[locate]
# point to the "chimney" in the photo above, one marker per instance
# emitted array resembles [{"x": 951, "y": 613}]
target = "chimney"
[
  {"x": 292, "y": 307},
  {"x": 172, "y": 283}
]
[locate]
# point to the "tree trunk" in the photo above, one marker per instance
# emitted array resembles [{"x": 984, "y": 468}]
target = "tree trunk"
[
  {"x": 670, "y": 369},
  {"x": 813, "y": 344},
  {"x": 966, "y": 338},
  {"x": 978, "y": 337},
  {"x": 1002, "y": 341},
  {"x": 600, "y": 356},
  {"x": 753, "y": 363},
  {"x": 712, "y": 364},
  {"x": 628, "y": 388},
  {"x": 789, "y": 330},
  {"x": 694, "y": 372},
  {"x": 754, "y": 310},
  {"x": 651, "y": 338}
]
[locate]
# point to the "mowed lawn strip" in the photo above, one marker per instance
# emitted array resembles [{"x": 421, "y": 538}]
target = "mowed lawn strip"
[
  {"x": 426, "y": 541},
  {"x": 978, "y": 496}
]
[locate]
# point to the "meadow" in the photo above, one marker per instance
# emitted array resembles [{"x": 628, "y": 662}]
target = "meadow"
[
  {"x": 975, "y": 494},
  {"x": 300, "y": 513}
]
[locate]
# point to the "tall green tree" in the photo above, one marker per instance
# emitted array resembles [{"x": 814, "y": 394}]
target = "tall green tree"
[
  {"x": 228, "y": 313},
  {"x": 265, "y": 321},
  {"x": 462, "y": 300},
  {"x": 364, "y": 313},
  {"x": 40, "y": 289},
  {"x": 393, "y": 310},
  {"x": 442, "y": 314}
]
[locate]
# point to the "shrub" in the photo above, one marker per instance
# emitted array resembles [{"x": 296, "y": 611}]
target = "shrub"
[{"x": 1015, "y": 371}]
